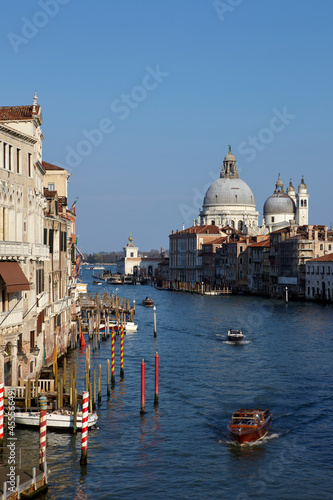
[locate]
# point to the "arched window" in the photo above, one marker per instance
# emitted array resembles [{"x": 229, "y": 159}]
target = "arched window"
[
  {"x": 240, "y": 225},
  {"x": 321, "y": 247},
  {"x": 213, "y": 222},
  {"x": 31, "y": 366},
  {"x": 301, "y": 203},
  {"x": 233, "y": 223},
  {"x": 305, "y": 203}
]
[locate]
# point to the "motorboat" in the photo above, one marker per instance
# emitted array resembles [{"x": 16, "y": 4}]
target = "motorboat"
[
  {"x": 147, "y": 302},
  {"x": 247, "y": 426},
  {"x": 58, "y": 419},
  {"x": 235, "y": 335},
  {"x": 128, "y": 326},
  {"x": 114, "y": 279},
  {"x": 96, "y": 282}
]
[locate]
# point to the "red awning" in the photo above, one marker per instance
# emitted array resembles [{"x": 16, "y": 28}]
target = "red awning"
[{"x": 14, "y": 277}]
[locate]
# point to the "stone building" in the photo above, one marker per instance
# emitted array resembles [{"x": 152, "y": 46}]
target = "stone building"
[
  {"x": 290, "y": 249},
  {"x": 185, "y": 257},
  {"x": 319, "y": 278},
  {"x": 22, "y": 250}
]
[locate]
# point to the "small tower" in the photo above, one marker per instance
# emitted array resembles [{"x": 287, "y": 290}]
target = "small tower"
[
  {"x": 130, "y": 251},
  {"x": 302, "y": 204},
  {"x": 34, "y": 104},
  {"x": 291, "y": 192}
]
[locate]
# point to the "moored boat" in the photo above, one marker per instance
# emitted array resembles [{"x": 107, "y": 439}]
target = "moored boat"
[
  {"x": 235, "y": 335},
  {"x": 129, "y": 326},
  {"x": 247, "y": 425},
  {"x": 58, "y": 419},
  {"x": 147, "y": 302}
]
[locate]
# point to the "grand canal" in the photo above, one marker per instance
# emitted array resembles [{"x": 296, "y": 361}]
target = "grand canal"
[{"x": 181, "y": 449}]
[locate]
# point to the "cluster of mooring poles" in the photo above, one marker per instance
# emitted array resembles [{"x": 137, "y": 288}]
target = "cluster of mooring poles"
[{"x": 89, "y": 394}]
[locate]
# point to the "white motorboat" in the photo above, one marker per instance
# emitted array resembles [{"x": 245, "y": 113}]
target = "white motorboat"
[
  {"x": 129, "y": 326},
  {"x": 235, "y": 335},
  {"x": 59, "y": 419}
]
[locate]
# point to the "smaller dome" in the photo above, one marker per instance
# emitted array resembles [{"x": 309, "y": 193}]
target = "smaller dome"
[
  {"x": 290, "y": 188},
  {"x": 279, "y": 203},
  {"x": 302, "y": 187}
]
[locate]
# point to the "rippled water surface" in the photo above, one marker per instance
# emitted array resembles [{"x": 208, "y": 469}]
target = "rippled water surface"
[{"x": 182, "y": 449}]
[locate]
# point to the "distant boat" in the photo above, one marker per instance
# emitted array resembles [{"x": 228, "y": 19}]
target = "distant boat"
[
  {"x": 114, "y": 279},
  {"x": 235, "y": 335},
  {"x": 147, "y": 302},
  {"x": 96, "y": 282},
  {"x": 247, "y": 426},
  {"x": 98, "y": 268}
]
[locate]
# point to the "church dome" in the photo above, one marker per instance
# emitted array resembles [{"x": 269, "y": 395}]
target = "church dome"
[
  {"x": 228, "y": 191},
  {"x": 279, "y": 203}
]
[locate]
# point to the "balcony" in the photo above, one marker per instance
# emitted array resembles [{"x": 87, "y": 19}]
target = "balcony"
[
  {"x": 40, "y": 252},
  {"x": 18, "y": 250},
  {"x": 14, "y": 250},
  {"x": 13, "y": 318}
]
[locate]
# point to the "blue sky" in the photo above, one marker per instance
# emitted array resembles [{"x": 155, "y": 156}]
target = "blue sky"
[{"x": 140, "y": 101}]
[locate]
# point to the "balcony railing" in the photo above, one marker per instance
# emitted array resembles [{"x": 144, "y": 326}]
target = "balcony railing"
[
  {"x": 14, "y": 249},
  {"x": 19, "y": 250},
  {"x": 12, "y": 318}
]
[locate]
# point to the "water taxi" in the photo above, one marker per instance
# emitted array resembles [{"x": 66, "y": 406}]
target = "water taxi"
[
  {"x": 235, "y": 335},
  {"x": 247, "y": 426}
]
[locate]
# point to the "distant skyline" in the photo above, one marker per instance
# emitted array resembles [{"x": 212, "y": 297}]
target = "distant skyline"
[{"x": 141, "y": 100}]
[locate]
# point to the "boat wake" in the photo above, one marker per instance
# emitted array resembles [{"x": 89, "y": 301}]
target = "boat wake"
[
  {"x": 239, "y": 342},
  {"x": 259, "y": 442}
]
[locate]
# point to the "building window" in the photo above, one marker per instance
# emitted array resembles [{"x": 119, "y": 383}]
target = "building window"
[
  {"x": 10, "y": 152},
  {"x": 31, "y": 366},
  {"x": 132, "y": 254},
  {"x": 321, "y": 247},
  {"x": 4, "y": 153},
  {"x": 20, "y": 343},
  {"x": 29, "y": 164},
  {"x": 272, "y": 219},
  {"x": 18, "y": 161},
  {"x": 32, "y": 339},
  {"x": 241, "y": 249},
  {"x": 330, "y": 247},
  {"x": 301, "y": 203},
  {"x": 50, "y": 186}
]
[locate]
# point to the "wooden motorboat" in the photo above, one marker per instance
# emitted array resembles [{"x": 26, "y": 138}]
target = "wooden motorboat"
[
  {"x": 58, "y": 419},
  {"x": 247, "y": 426},
  {"x": 235, "y": 335},
  {"x": 147, "y": 302}
]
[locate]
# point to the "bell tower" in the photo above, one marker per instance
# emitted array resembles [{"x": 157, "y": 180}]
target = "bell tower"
[{"x": 302, "y": 204}]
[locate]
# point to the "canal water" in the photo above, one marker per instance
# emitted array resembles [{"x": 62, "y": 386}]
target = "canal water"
[{"x": 182, "y": 449}]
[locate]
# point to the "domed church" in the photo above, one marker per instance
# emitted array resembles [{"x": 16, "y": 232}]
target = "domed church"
[
  {"x": 229, "y": 201},
  {"x": 282, "y": 208}
]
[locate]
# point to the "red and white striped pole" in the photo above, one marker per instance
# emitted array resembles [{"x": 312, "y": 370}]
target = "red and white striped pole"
[
  {"x": 85, "y": 411},
  {"x": 122, "y": 352},
  {"x": 113, "y": 378},
  {"x": 1, "y": 416},
  {"x": 156, "y": 379},
  {"x": 42, "y": 431},
  {"x": 142, "y": 386}
]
